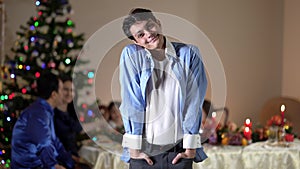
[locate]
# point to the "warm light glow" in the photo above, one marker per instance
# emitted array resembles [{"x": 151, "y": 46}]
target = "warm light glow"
[
  {"x": 24, "y": 90},
  {"x": 213, "y": 114},
  {"x": 37, "y": 74},
  {"x": 248, "y": 121},
  {"x": 282, "y": 108},
  {"x": 247, "y": 129}
]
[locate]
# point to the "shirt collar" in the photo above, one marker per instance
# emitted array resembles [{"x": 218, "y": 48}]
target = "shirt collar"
[
  {"x": 169, "y": 50},
  {"x": 46, "y": 105}
]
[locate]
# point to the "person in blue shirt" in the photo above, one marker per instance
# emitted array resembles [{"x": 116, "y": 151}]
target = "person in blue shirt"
[
  {"x": 34, "y": 142},
  {"x": 163, "y": 85}
]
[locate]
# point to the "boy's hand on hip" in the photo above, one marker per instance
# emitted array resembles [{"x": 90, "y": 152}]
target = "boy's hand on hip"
[
  {"x": 189, "y": 153},
  {"x": 137, "y": 154}
]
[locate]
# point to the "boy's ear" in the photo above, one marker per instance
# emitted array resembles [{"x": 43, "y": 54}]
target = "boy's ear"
[{"x": 53, "y": 94}]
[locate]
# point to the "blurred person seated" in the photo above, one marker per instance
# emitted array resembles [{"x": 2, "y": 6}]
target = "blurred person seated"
[
  {"x": 104, "y": 112},
  {"x": 34, "y": 142},
  {"x": 208, "y": 125},
  {"x": 67, "y": 125},
  {"x": 115, "y": 118},
  {"x": 213, "y": 119}
]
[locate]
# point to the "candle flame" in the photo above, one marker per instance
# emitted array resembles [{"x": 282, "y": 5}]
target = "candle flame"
[
  {"x": 282, "y": 108},
  {"x": 248, "y": 121},
  {"x": 214, "y": 115}
]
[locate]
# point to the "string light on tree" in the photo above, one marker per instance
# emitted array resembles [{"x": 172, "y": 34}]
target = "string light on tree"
[
  {"x": 37, "y": 3},
  {"x": 67, "y": 61},
  {"x": 43, "y": 44},
  {"x": 91, "y": 75}
]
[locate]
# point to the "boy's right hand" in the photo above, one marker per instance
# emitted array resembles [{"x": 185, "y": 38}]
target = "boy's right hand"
[{"x": 137, "y": 154}]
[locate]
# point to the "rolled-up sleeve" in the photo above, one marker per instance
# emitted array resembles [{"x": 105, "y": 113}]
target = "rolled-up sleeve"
[
  {"x": 132, "y": 107},
  {"x": 195, "y": 93}
]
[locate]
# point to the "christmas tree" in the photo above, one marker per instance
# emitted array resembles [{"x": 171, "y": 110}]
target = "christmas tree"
[{"x": 46, "y": 43}]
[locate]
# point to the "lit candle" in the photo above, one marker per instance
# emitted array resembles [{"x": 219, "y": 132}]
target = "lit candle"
[
  {"x": 247, "y": 133},
  {"x": 282, "y": 108},
  {"x": 248, "y": 123},
  {"x": 213, "y": 117}
]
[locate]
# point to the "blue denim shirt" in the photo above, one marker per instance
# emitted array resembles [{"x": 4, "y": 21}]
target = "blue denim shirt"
[
  {"x": 136, "y": 67},
  {"x": 34, "y": 143}
]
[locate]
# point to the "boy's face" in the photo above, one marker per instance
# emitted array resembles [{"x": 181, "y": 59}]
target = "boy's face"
[
  {"x": 59, "y": 94},
  {"x": 148, "y": 34},
  {"x": 68, "y": 92}
]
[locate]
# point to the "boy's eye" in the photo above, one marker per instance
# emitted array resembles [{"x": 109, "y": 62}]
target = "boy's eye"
[{"x": 140, "y": 35}]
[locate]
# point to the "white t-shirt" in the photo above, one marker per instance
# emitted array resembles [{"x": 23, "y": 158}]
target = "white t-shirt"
[{"x": 162, "y": 124}]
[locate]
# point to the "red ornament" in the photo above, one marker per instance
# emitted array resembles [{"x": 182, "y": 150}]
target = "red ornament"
[
  {"x": 69, "y": 30},
  {"x": 90, "y": 81},
  {"x": 81, "y": 118},
  {"x": 26, "y": 48},
  {"x": 84, "y": 106},
  {"x": 24, "y": 90},
  {"x": 11, "y": 96},
  {"x": 37, "y": 74}
]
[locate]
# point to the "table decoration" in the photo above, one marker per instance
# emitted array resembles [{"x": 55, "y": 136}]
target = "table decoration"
[
  {"x": 248, "y": 130},
  {"x": 280, "y": 129},
  {"x": 230, "y": 134}
]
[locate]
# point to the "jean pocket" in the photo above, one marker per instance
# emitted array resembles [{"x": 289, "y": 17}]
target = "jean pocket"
[
  {"x": 185, "y": 163},
  {"x": 138, "y": 164}
]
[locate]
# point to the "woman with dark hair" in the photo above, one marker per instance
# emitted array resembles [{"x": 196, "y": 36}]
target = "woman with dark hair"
[
  {"x": 115, "y": 118},
  {"x": 67, "y": 125},
  {"x": 207, "y": 108}
]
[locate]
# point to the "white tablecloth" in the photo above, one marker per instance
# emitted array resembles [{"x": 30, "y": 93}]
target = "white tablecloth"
[
  {"x": 262, "y": 155},
  {"x": 255, "y": 156}
]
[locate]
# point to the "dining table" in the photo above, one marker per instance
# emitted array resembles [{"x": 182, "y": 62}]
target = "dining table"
[{"x": 105, "y": 154}]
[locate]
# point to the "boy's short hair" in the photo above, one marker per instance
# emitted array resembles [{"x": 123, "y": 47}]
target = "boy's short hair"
[
  {"x": 46, "y": 84},
  {"x": 135, "y": 15}
]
